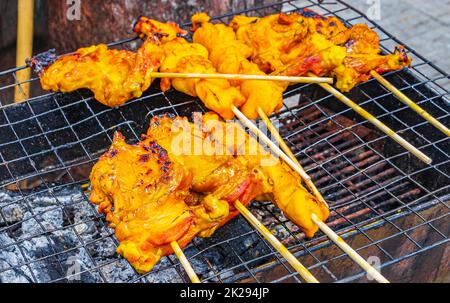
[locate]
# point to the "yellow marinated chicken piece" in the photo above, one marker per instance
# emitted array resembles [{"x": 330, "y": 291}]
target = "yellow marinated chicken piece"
[
  {"x": 183, "y": 57},
  {"x": 229, "y": 56},
  {"x": 299, "y": 43},
  {"x": 142, "y": 195},
  {"x": 152, "y": 197},
  {"x": 114, "y": 76}
]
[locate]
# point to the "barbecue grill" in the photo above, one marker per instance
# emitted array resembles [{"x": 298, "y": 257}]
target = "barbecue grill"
[{"x": 387, "y": 205}]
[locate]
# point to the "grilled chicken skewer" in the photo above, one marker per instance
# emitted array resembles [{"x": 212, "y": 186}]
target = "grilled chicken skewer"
[
  {"x": 116, "y": 76},
  {"x": 292, "y": 47},
  {"x": 156, "y": 192},
  {"x": 304, "y": 43}
]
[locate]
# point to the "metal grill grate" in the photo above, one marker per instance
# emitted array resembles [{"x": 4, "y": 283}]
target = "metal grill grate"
[{"x": 384, "y": 202}]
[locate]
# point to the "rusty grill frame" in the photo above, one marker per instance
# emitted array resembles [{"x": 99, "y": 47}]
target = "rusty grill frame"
[{"x": 426, "y": 79}]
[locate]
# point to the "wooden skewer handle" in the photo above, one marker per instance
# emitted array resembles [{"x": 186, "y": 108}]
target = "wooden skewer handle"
[
  {"x": 352, "y": 253},
  {"x": 402, "y": 97},
  {"x": 303, "y": 271},
  {"x": 243, "y": 77},
  {"x": 185, "y": 262},
  {"x": 289, "y": 153},
  {"x": 328, "y": 231},
  {"x": 380, "y": 125}
]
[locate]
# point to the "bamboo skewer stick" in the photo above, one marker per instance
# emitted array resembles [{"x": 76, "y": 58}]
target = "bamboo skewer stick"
[
  {"x": 184, "y": 262},
  {"x": 352, "y": 253},
  {"x": 253, "y": 128},
  {"x": 323, "y": 227},
  {"x": 380, "y": 125},
  {"x": 288, "y": 152},
  {"x": 403, "y": 98},
  {"x": 25, "y": 13},
  {"x": 243, "y": 77},
  {"x": 303, "y": 271}
]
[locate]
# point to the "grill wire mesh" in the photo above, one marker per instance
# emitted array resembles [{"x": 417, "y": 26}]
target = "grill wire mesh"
[{"x": 384, "y": 202}]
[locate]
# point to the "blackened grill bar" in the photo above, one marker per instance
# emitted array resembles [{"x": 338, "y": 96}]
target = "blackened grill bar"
[{"x": 376, "y": 194}]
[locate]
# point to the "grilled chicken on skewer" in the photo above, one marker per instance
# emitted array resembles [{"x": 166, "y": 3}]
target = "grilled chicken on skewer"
[
  {"x": 181, "y": 56},
  {"x": 114, "y": 76},
  {"x": 155, "y": 192},
  {"x": 305, "y": 42},
  {"x": 228, "y": 56}
]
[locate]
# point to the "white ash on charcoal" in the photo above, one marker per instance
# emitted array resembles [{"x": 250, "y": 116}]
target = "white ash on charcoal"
[
  {"x": 11, "y": 210},
  {"x": 169, "y": 275},
  {"x": 118, "y": 271},
  {"x": 13, "y": 213},
  {"x": 10, "y": 257},
  {"x": 51, "y": 229},
  {"x": 103, "y": 250},
  {"x": 16, "y": 275}
]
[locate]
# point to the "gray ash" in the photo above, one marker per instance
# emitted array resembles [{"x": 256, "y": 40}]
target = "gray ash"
[{"x": 44, "y": 235}]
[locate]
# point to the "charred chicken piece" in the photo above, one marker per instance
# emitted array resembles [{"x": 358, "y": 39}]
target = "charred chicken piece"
[
  {"x": 157, "y": 191},
  {"x": 181, "y": 56},
  {"x": 298, "y": 43},
  {"x": 114, "y": 76}
]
